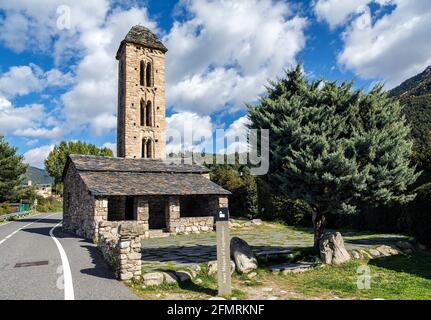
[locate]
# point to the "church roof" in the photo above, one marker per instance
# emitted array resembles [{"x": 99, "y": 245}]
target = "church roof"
[
  {"x": 121, "y": 176},
  {"x": 112, "y": 164},
  {"x": 138, "y": 183},
  {"x": 143, "y": 36}
]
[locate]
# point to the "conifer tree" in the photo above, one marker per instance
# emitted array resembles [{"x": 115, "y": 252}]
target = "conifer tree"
[
  {"x": 11, "y": 170},
  {"x": 334, "y": 147}
]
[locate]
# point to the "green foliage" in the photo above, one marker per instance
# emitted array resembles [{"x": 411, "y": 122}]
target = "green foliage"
[
  {"x": 334, "y": 147},
  {"x": 56, "y": 159},
  {"x": 51, "y": 204},
  {"x": 237, "y": 179},
  {"x": 419, "y": 215},
  {"x": 294, "y": 212},
  {"x": 5, "y": 208},
  {"x": 11, "y": 170},
  {"x": 418, "y": 113}
]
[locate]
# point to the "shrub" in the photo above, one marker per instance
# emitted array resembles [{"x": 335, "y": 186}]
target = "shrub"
[
  {"x": 51, "y": 204},
  {"x": 419, "y": 215},
  {"x": 293, "y": 212},
  {"x": 5, "y": 208}
]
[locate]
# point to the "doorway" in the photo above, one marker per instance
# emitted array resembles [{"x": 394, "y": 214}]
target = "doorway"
[{"x": 129, "y": 214}]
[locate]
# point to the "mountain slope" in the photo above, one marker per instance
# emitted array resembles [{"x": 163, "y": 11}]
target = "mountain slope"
[
  {"x": 415, "y": 95},
  {"x": 37, "y": 176},
  {"x": 415, "y": 86}
]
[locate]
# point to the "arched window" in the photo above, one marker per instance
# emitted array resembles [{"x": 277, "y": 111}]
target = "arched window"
[
  {"x": 149, "y": 148},
  {"x": 149, "y": 75},
  {"x": 148, "y": 115},
  {"x": 142, "y": 74},
  {"x": 142, "y": 113}
]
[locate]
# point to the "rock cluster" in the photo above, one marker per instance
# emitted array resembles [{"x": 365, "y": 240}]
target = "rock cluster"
[
  {"x": 332, "y": 250},
  {"x": 242, "y": 255}
]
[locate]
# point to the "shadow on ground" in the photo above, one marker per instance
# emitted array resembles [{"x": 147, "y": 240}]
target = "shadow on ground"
[
  {"x": 418, "y": 264},
  {"x": 99, "y": 268}
]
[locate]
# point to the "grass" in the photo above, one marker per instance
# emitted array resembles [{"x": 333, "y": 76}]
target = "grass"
[
  {"x": 395, "y": 278},
  {"x": 392, "y": 278},
  {"x": 205, "y": 289}
]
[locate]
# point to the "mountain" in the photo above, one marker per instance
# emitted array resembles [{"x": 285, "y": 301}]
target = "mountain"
[
  {"x": 37, "y": 176},
  {"x": 415, "y": 86},
  {"x": 415, "y": 95}
]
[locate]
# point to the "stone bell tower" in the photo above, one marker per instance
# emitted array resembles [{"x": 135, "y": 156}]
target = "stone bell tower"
[{"x": 141, "y": 95}]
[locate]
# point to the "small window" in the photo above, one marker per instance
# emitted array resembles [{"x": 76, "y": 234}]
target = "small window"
[
  {"x": 142, "y": 74},
  {"x": 149, "y": 75},
  {"x": 149, "y": 149},
  {"x": 148, "y": 115},
  {"x": 142, "y": 114}
]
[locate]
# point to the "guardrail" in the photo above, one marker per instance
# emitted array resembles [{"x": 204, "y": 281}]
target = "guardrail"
[{"x": 15, "y": 214}]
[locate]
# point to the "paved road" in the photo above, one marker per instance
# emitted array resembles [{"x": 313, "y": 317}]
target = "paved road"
[{"x": 39, "y": 261}]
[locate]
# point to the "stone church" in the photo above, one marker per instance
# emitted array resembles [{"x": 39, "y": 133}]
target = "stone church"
[{"x": 138, "y": 186}]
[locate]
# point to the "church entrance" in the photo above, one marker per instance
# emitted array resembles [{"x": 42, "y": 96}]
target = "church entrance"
[{"x": 157, "y": 214}]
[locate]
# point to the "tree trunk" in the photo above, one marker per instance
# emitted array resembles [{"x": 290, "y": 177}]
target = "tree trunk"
[{"x": 319, "y": 227}]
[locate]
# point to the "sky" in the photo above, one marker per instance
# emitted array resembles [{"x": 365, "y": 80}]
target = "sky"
[{"x": 58, "y": 73}]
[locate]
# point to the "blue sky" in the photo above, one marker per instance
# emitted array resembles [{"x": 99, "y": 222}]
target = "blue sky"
[{"x": 58, "y": 77}]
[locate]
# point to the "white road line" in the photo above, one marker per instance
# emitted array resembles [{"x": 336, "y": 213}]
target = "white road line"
[
  {"x": 67, "y": 273},
  {"x": 25, "y": 217},
  {"x": 10, "y": 235}
]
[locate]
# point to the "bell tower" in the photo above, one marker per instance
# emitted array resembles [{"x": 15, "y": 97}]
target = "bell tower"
[{"x": 141, "y": 123}]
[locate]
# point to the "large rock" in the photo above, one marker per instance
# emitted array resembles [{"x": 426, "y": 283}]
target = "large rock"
[
  {"x": 242, "y": 255},
  {"x": 332, "y": 250},
  {"x": 387, "y": 250},
  {"x": 212, "y": 267},
  {"x": 153, "y": 278}
]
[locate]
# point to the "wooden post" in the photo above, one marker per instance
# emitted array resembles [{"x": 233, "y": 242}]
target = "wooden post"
[{"x": 223, "y": 252}]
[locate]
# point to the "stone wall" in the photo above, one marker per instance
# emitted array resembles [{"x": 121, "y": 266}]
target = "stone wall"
[
  {"x": 120, "y": 245},
  {"x": 81, "y": 211},
  {"x": 195, "y": 225},
  {"x": 130, "y": 133}
]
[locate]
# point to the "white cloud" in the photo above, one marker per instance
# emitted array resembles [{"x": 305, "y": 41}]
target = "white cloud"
[
  {"x": 35, "y": 157},
  {"x": 22, "y": 80},
  {"x": 198, "y": 133},
  {"x": 336, "y": 12},
  {"x": 223, "y": 55},
  {"x": 93, "y": 100},
  {"x": 391, "y": 47},
  {"x": 52, "y": 133},
  {"x": 395, "y": 47},
  {"x": 188, "y": 130}
]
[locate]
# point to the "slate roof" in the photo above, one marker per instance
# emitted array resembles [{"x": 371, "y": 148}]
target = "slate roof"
[
  {"x": 138, "y": 183},
  {"x": 97, "y": 163},
  {"x": 143, "y": 36},
  {"x": 106, "y": 176}
]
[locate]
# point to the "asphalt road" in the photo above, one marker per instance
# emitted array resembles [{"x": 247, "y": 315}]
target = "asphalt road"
[{"x": 39, "y": 261}]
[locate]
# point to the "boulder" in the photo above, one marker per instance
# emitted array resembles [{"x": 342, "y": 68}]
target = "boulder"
[
  {"x": 170, "y": 277},
  {"x": 183, "y": 276},
  {"x": 257, "y": 222},
  {"x": 332, "y": 250},
  {"x": 387, "y": 250},
  {"x": 212, "y": 267},
  {"x": 405, "y": 246},
  {"x": 243, "y": 256},
  {"x": 153, "y": 278},
  {"x": 356, "y": 255},
  {"x": 374, "y": 252},
  {"x": 195, "y": 269}
]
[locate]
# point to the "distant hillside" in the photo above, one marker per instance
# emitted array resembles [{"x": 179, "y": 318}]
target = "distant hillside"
[
  {"x": 415, "y": 95},
  {"x": 415, "y": 86},
  {"x": 37, "y": 176}
]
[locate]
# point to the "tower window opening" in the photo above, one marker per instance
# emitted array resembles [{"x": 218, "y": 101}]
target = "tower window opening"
[
  {"x": 149, "y": 149},
  {"x": 142, "y": 74},
  {"x": 143, "y": 108},
  {"x": 148, "y": 115},
  {"x": 149, "y": 75}
]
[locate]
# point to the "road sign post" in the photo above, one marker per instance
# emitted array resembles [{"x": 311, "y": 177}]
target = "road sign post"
[{"x": 223, "y": 252}]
